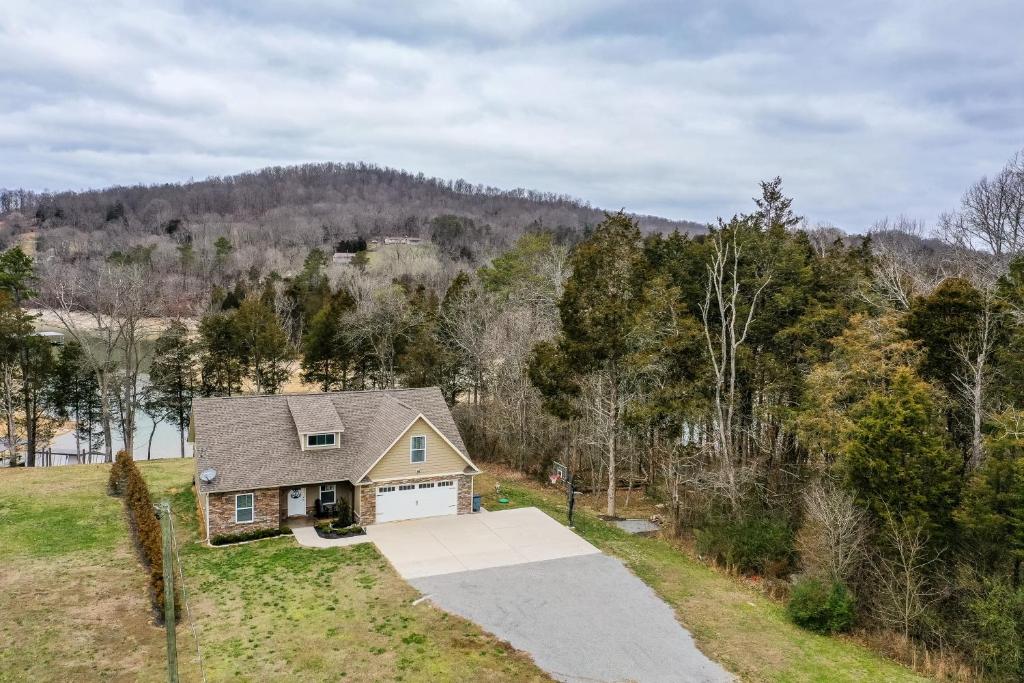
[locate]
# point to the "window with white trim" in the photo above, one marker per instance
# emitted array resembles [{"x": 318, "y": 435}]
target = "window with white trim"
[
  {"x": 319, "y": 440},
  {"x": 328, "y": 494},
  {"x": 244, "y": 508},
  {"x": 419, "y": 449}
]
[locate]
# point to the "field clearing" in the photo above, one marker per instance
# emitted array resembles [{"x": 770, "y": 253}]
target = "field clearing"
[
  {"x": 732, "y": 623},
  {"x": 75, "y": 605}
]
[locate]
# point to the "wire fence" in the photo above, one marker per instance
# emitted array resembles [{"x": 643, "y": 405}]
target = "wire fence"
[{"x": 184, "y": 598}]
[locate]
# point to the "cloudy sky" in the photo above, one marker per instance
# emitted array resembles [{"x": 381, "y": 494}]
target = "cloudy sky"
[{"x": 865, "y": 108}]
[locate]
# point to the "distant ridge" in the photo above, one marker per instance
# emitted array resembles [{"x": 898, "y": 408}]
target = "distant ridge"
[{"x": 341, "y": 198}]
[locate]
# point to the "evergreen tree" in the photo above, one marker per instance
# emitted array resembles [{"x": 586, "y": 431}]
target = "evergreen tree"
[
  {"x": 17, "y": 280},
  {"x": 264, "y": 345},
  {"x": 74, "y": 395},
  {"x": 307, "y": 293},
  {"x": 992, "y": 510},
  {"x": 599, "y": 312},
  {"x": 173, "y": 380},
  {"x": 896, "y": 459},
  {"x": 222, "y": 360},
  {"x": 327, "y": 356}
]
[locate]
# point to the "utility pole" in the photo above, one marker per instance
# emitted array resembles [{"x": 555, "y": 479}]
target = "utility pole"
[{"x": 172, "y": 647}]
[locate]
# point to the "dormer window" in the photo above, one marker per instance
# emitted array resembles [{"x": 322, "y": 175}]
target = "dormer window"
[{"x": 320, "y": 440}]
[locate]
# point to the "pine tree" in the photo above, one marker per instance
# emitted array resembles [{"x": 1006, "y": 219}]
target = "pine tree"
[
  {"x": 896, "y": 458},
  {"x": 599, "y": 312},
  {"x": 992, "y": 511},
  {"x": 264, "y": 344},
  {"x": 326, "y": 356},
  {"x": 222, "y": 359},
  {"x": 173, "y": 379}
]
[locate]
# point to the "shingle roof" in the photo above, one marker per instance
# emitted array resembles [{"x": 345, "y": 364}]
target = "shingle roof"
[
  {"x": 314, "y": 413},
  {"x": 252, "y": 442}
]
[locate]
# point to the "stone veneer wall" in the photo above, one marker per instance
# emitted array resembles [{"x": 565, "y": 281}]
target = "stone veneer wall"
[
  {"x": 368, "y": 495},
  {"x": 266, "y": 512}
]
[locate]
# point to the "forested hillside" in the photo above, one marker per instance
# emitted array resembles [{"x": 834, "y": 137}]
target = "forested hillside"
[{"x": 305, "y": 206}]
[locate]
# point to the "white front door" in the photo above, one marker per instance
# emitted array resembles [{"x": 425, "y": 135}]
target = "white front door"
[
  {"x": 297, "y": 501},
  {"x": 412, "y": 501}
]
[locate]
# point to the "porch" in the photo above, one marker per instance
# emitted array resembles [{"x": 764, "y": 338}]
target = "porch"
[{"x": 310, "y": 502}]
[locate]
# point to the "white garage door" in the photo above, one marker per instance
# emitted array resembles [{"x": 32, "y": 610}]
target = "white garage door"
[{"x": 412, "y": 501}]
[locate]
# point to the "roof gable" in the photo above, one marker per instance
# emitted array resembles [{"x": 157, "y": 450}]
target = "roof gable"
[
  {"x": 315, "y": 413},
  {"x": 469, "y": 463}
]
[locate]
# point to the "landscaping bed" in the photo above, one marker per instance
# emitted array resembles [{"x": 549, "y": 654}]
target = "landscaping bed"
[
  {"x": 333, "y": 529},
  {"x": 245, "y": 536}
]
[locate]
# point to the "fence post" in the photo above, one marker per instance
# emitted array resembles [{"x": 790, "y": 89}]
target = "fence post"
[{"x": 169, "y": 618}]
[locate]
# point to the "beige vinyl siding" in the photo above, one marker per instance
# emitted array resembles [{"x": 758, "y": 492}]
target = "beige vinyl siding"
[{"x": 441, "y": 458}]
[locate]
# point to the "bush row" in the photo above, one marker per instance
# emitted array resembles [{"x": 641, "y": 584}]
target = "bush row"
[
  {"x": 126, "y": 481},
  {"x": 226, "y": 539}
]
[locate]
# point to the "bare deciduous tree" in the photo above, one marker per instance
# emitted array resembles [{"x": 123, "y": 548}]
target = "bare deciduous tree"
[
  {"x": 903, "y": 266},
  {"x": 972, "y": 379},
  {"x": 109, "y": 311},
  {"x": 899, "y": 574},
  {"x": 384, "y": 321},
  {"x": 833, "y": 539},
  {"x": 991, "y": 214},
  {"x": 725, "y": 331}
]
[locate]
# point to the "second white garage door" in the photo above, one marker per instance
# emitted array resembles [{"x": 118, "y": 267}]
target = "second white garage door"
[{"x": 412, "y": 501}]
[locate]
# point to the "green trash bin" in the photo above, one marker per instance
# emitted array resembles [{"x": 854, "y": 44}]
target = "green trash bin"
[{"x": 476, "y": 503}]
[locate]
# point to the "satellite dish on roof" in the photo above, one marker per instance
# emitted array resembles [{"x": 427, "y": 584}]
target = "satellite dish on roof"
[{"x": 208, "y": 475}]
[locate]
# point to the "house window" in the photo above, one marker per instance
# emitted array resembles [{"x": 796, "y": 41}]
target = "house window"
[
  {"x": 406, "y": 487},
  {"x": 327, "y": 494},
  {"x": 428, "y": 485},
  {"x": 316, "y": 440},
  {"x": 419, "y": 449},
  {"x": 445, "y": 483},
  {"x": 384, "y": 489},
  {"x": 243, "y": 507}
]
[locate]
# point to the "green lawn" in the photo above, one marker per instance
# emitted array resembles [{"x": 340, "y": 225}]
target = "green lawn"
[
  {"x": 73, "y": 601},
  {"x": 74, "y": 604},
  {"x": 733, "y": 623}
]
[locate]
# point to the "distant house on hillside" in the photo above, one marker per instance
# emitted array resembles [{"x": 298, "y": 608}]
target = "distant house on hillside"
[
  {"x": 55, "y": 338},
  {"x": 402, "y": 239},
  {"x": 342, "y": 257}
]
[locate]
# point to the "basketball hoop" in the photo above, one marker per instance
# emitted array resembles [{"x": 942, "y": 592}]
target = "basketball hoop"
[{"x": 555, "y": 478}]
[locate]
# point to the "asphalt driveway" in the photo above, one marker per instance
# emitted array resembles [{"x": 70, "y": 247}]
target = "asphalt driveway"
[{"x": 581, "y": 614}]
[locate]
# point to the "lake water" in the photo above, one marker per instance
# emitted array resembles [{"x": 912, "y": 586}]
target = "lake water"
[{"x": 165, "y": 441}]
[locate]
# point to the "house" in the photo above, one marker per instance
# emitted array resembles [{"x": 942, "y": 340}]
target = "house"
[
  {"x": 390, "y": 455},
  {"x": 402, "y": 239},
  {"x": 342, "y": 257},
  {"x": 55, "y": 338}
]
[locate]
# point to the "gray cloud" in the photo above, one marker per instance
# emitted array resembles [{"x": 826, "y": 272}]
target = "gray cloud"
[{"x": 865, "y": 108}]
